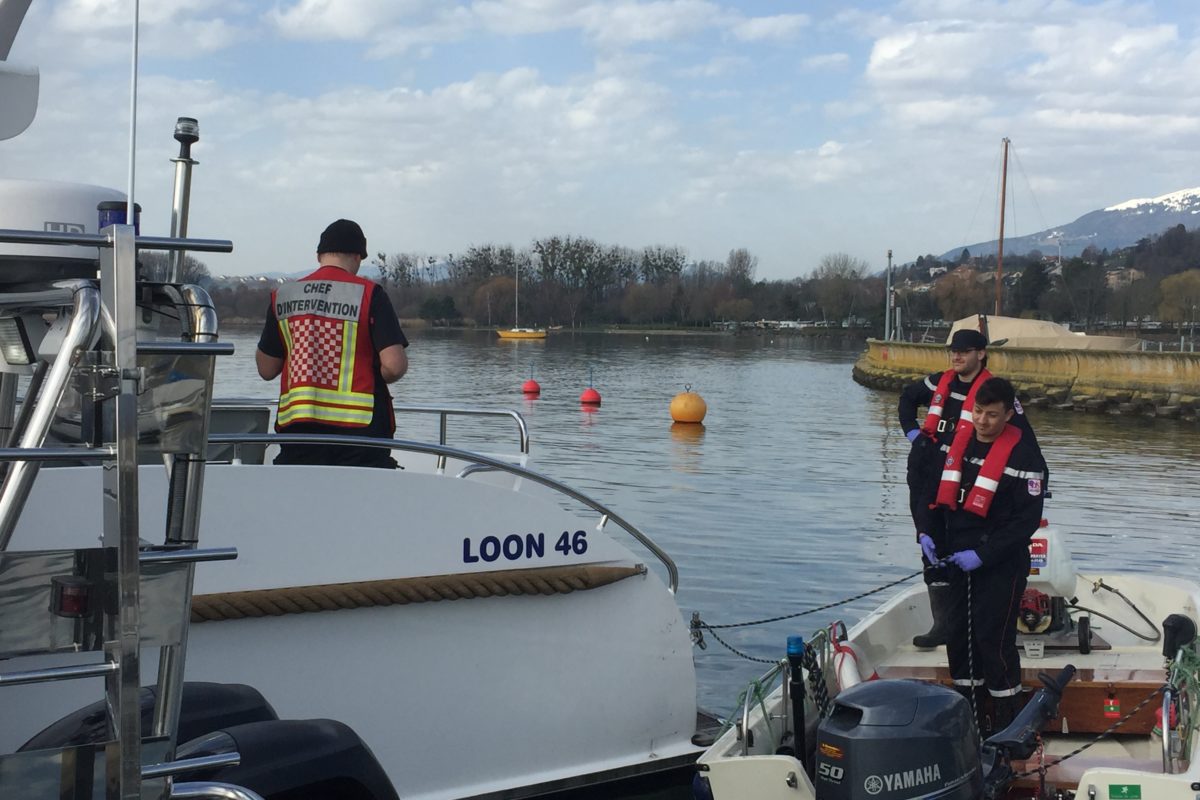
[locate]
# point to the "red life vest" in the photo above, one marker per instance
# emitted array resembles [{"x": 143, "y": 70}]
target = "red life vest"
[
  {"x": 938, "y": 403},
  {"x": 328, "y": 375},
  {"x": 979, "y": 500}
]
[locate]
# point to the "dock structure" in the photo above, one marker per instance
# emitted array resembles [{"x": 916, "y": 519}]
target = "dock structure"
[{"x": 1106, "y": 381}]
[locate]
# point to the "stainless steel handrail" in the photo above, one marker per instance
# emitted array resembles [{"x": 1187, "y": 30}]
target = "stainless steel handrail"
[
  {"x": 13, "y": 236},
  {"x": 443, "y": 411},
  {"x": 462, "y": 455},
  {"x": 210, "y": 789},
  {"x": 103, "y": 453},
  {"x": 57, "y": 674},
  {"x": 1166, "y": 730},
  {"x": 188, "y": 555},
  {"x": 173, "y": 348},
  {"x": 463, "y": 411},
  {"x": 748, "y": 703},
  {"x": 80, "y": 332},
  {"x": 183, "y": 765}
]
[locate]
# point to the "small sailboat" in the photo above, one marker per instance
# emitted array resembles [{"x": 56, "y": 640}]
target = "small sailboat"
[{"x": 516, "y": 331}]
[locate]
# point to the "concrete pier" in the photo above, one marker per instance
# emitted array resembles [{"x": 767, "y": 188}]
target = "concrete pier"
[{"x": 1151, "y": 384}]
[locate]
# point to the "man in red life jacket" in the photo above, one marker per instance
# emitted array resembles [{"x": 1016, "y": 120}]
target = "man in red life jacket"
[
  {"x": 946, "y": 394},
  {"x": 335, "y": 343},
  {"x": 990, "y": 495}
]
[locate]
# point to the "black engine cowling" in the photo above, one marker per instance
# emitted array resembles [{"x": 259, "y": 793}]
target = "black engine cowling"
[{"x": 895, "y": 740}]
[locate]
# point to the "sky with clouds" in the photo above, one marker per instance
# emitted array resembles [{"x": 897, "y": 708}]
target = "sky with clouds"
[{"x": 793, "y": 129}]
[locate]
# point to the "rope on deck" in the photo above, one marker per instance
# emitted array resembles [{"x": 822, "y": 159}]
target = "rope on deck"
[{"x": 402, "y": 591}]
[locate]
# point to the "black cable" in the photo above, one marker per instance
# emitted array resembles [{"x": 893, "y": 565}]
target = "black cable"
[{"x": 1100, "y": 584}]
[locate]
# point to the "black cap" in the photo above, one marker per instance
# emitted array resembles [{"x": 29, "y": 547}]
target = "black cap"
[
  {"x": 967, "y": 339},
  {"x": 343, "y": 236}
]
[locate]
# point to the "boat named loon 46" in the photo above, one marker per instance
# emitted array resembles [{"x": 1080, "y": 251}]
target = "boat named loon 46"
[{"x": 464, "y": 627}]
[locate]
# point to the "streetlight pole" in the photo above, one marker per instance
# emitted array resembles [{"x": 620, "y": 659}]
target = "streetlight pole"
[{"x": 888, "y": 302}]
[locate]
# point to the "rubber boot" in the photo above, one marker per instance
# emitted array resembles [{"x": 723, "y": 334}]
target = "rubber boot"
[
  {"x": 1004, "y": 711},
  {"x": 939, "y": 606}
]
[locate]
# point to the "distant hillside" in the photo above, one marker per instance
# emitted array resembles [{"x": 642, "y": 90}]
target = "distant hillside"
[{"x": 1114, "y": 227}]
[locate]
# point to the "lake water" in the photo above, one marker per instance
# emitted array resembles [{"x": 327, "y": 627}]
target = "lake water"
[{"x": 792, "y": 494}]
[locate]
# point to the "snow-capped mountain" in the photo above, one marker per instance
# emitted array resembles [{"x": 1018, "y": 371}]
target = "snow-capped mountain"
[{"x": 1116, "y": 226}]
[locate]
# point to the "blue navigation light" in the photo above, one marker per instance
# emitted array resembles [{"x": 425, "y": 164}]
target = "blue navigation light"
[{"x": 112, "y": 212}]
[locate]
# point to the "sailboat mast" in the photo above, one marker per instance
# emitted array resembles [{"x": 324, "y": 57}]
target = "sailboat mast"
[
  {"x": 517, "y": 297},
  {"x": 1000, "y": 250}
]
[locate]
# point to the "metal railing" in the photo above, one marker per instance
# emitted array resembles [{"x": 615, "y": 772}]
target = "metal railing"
[
  {"x": 107, "y": 310},
  {"x": 443, "y": 412},
  {"x": 443, "y": 453}
]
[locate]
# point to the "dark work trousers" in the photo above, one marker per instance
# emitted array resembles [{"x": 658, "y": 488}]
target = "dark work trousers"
[
  {"x": 995, "y": 600},
  {"x": 924, "y": 472}
]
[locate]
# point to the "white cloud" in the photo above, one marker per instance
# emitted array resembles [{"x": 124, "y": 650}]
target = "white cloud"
[
  {"x": 715, "y": 67},
  {"x": 779, "y": 27},
  {"x": 1140, "y": 126},
  {"x": 625, "y": 23},
  {"x": 339, "y": 19},
  {"x": 825, "y": 61}
]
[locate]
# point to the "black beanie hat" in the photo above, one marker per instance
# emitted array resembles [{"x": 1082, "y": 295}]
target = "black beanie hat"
[{"x": 343, "y": 236}]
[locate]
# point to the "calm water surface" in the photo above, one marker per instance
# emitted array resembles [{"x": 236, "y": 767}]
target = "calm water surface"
[{"x": 792, "y": 494}]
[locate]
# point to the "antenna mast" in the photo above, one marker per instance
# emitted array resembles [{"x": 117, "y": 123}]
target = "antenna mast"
[{"x": 1000, "y": 251}]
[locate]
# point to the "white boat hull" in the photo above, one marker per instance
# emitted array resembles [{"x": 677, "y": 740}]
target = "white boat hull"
[{"x": 455, "y": 698}]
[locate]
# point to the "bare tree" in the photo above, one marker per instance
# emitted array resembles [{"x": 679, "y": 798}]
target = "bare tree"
[
  {"x": 960, "y": 293},
  {"x": 739, "y": 267},
  {"x": 835, "y": 283}
]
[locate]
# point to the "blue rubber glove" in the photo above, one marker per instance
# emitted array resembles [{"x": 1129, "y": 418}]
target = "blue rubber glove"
[
  {"x": 913, "y": 434},
  {"x": 966, "y": 560},
  {"x": 927, "y": 548}
]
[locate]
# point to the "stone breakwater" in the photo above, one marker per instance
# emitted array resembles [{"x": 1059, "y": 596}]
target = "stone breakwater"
[{"x": 1152, "y": 384}]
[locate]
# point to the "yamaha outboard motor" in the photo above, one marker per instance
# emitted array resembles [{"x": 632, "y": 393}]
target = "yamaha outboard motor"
[
  {"x": 1019, "y": 740},
  {"x": 895, "y": 740}
]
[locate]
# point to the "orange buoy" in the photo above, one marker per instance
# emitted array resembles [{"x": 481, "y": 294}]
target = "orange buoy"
[
  {"x": 687, "y": 406},
  {"x": 531, "y": 388},
  {"x": 590, "y": 396}
]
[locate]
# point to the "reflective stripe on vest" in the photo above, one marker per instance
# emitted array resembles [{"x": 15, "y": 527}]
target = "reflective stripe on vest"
[{"x": 328, "y": 372}]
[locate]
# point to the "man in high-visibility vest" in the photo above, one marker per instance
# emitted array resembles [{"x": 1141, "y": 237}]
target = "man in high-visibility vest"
[
  {"x": 991, "y": 492},
  {"x": 335, "y": 343}
]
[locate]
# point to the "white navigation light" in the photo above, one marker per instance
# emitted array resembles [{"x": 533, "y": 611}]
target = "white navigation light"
[
  {"x": 14, "y": 342},
  {"x": 187, "y": 128}
]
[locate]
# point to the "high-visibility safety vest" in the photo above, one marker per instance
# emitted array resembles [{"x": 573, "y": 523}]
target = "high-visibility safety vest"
[
  {"x": 979, "y": 499},
  {"x": 328, "y": 375},
  {"x": 938, "y": 404}
]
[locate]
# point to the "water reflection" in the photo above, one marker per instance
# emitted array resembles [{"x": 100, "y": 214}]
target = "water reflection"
[{"x": 687, "y": 432}]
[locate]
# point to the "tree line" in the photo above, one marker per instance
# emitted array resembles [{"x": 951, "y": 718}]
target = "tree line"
[
  {"x": 1158, "y": 279},
  {"x": 575, "y": 281}
]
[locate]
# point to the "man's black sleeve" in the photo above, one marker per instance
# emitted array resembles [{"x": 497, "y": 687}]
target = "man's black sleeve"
[
  {"x": 1022, "y": 421},
  {"x": 270, "y": 342},
  {"x": 1016, "y": 511},
  {"x": 915, "y": 395},
  {"x": 385, "y": 325}
]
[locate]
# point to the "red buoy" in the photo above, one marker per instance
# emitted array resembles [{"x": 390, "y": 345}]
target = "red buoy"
[
  {"x": 590, "y": 397},
  {"x": 531, "y": 387}
]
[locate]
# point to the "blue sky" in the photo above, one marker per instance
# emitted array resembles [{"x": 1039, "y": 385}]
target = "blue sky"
[{"x": 795, "y": 130}]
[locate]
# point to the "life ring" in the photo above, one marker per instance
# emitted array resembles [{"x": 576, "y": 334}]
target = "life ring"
[{"x": 845, "y": 661}]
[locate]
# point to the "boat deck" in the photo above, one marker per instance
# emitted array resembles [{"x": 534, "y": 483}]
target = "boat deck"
[{"x": 1129, "y": 675}]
